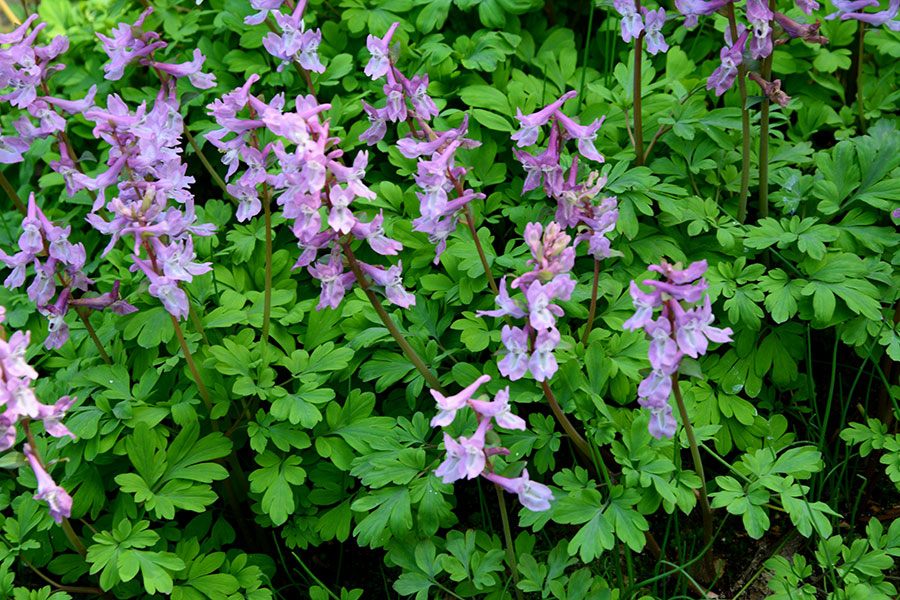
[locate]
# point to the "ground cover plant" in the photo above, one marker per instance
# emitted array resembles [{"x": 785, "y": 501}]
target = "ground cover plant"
[{"x": 449, "y": 299}]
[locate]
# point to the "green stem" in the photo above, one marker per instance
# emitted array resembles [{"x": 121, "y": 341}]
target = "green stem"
[
  {"x": 590, "y": 319},
  {"x": 638, "y": 123},
  {"x": 411, "y": 354},
  {"x": 860, "y": 103},
  {"x": 698, "y": 462},
  {"x": 193, "y": 368},
  {"x": 198, "y": 325},
  {"x": 84, "y": 316},
  {"x": 481, "y": 255},
  {"x": 764, "y": 138},
  {"x": 764, "y": 148},
  {"x": 587, "y": 50},
  {"x": 507, "y": 534},
  {"x": 205, "y": 162},
  {"x": 267, "y": 294},
  {"x": 580, "y": 443},
  {"x": 11, "y": 192},
  {"x": 745, "y": 124},
  {"x": 75, "y": 589}
]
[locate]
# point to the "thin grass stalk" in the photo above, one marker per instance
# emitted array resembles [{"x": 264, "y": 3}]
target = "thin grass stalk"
[
  {"x": 587, "y": 50},
  {"x": 411, "y": 354},
  {"x": 507, "y": 535},
  {"x": 11, "y": 192},
  {"x": 84, "y": 316},
  {"x": 267, "y": 293},
  {"x": 745, "y": 123},
  {"x": 484, "y": 262},
  {"x": 204, "y": 161},
  {"x": 764, "y": 137},
  {"x": 860, "y": 99},
  {"x": 75, "y": 589},
  {"x": 593, "y": 309},
  {"x": 188, "y": 357},
  {"x": 698, "y": 465},
  {"x": 638, "y": 122}
]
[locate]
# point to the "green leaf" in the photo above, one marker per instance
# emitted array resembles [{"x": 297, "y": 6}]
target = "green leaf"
[
  {"x": 391, "y": 514},
  {"x": 274, "y": 480}
]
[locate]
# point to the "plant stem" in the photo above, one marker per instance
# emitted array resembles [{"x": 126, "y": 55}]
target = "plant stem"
[
  {"x": 587, "y": 50},
  {"x": 860, "y": 103},
  {"x": 267, "y": 294},
  {"x": 206, "y": 163},
  {"x": 11, "y": 192},
  {"x": 484, "y": 262},
  {"x": 764, "y": 142},
  {"x": 745, "y": 124},
  {"x": 75, "y": 589},
  {"x": 590, "y": 319},
  {"x": 638, "y": 124},
  {"x": 698, "y": 462},
  {"x": 411, "y": 354},
  {"x": 507, "y": 534},
  {"x": 197, "y": 324},
  {"x": 85, "y": 318},
  {"x": 193, "y": 368},
  {"x": 580, "y": 443}
]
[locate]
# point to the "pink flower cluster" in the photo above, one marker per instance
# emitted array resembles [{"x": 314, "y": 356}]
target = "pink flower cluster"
[
  {"x": 469, "y": 457},
  {"x": 438, "y": 177},
  {"x": 530, "y": 348},
  {"x": 145, "y": 159},
  {"x": 575, "y": 202},
  {"x": 21, "y": 405},
  {"x": 675, "y": 333},
  {"x": 63, "y": 262},
  {"x": 651, "y": 24},
  {"x": 312, "y": 176},
  {"x": 295, "y": 44}
]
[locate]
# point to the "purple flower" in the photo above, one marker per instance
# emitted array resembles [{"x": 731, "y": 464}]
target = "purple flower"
[
  {"x": 507, "y": 305},
  {"x": 377, "y": 129},
  {"x": 760, "y": 17},
  {"x": 52, "y": 416},
  {"x": 849, "y": 6},
  {"x": 247, "y": 196},
  {"x": 334, "y": 281},
  {"x": 263, "y": 6},
  {"x": 396, "y": 100},
  {"x": 662, "y": 423},
  {"x": 417, "y": 91},
  {"x": 448, "y": 405},
  {"x": 884, "y": 17},
  {"x": 693, "y": 329},
  {"x": 664, "y": 354},
  {"x": 515, "y": 364},
  {"x": 532, "y": 495},
  {"x": 500, "y": 411},
  {"x": 807, "y": 6},
  {"x": 808, "y": 33},
  {"x": 392, "y": 280},
  {"x": 373, "y": 232},
  {"x": 191, "y": 70},
  {"x": 723, "y": 77},
  {"x": 380, "y": 62},
  {"x": 542, "y": 363},
  {"x": 11, "y": 149},
  {"x": 632, "y": 26},
  {"x": 644, "y": 303},
  {"x": 656, "y": 387},
  {"x": 60, "y": 502},
  {"x": 129, "y": 42},
  {"x": 173, "y": 298},
  {"x": 691, "y": 9},
  {"x": 466, "y": 458},
  {"x": 531, "y": 124},
  {"x": 340, "y": 218},
  {"x": 655, "y": 19}
]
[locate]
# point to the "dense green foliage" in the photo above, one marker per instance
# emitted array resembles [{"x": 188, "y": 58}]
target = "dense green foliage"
[{"x": 313, "y": 473}]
